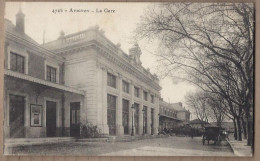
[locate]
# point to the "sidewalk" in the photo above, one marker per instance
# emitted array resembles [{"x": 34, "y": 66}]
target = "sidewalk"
[{"x": 240, "y": 148}]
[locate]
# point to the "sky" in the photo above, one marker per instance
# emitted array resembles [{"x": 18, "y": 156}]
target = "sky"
[{"x": 118, "y": 26}]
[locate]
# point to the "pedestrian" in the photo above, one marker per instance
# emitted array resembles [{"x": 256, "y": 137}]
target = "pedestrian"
[{"x": 191, "y": 133}]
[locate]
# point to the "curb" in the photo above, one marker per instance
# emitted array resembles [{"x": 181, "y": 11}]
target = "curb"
[
  {"x": 233, "y": 149},
  {"x": 236, "y": 152}
]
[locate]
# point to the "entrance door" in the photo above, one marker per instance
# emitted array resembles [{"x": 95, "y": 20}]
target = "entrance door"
[
  {"x": 145, "y": 119},
  {"x": 125, "y": 115},
  {"x": 111, "y": 114},
  {"x": 136, "y": 119},
  {"x": 16, "y": 116},
  {"x": 51, "y": 118},
  {"x": 75, "y": 119}
]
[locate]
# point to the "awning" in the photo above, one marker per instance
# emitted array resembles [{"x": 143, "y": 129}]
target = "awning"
[
  {"x": 43, "y": 82},
  {"x": 174, "y": 118}
]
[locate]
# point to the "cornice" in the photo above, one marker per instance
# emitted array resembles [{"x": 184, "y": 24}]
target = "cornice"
[
  {"x": 112, "y": 54},
  {"x": 127, "y": 67}
]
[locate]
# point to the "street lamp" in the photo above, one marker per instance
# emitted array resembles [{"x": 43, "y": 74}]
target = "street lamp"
[
  {"x": 133, "y": 110},
  {"x": 143, "y": 121}
]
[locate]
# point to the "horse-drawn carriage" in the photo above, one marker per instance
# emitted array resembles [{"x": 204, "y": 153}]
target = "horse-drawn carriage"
[{"x": 216, "y": 134}]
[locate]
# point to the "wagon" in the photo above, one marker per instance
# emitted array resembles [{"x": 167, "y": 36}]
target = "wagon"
[{"x": 212, "y": 133}]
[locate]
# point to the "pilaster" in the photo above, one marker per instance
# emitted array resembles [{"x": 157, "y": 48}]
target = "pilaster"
[
  {"x": 149, "y": 114},
  {"x": 156, "y": 114},
  {"x": 119, "y": 110},
  {"x": 141, "y": 119},
  {"x": 130, "y": 109},
  {"x": 103, "y": 102}
]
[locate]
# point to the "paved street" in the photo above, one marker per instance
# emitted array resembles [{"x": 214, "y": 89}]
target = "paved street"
[{"x": 171, "y": 146}]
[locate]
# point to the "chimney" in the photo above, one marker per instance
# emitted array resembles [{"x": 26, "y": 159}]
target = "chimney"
[{"x": 20, "y": 21}]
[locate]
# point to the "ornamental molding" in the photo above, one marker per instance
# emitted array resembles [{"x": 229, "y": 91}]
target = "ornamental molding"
[
  {"x": 127, "y": 67},
  {"x": 114, "y": 57}
]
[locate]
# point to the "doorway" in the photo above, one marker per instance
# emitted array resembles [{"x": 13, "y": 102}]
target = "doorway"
[
  {"x": 75, "y": 119},
  {"x": 51, "y": 118},
  {"x": 16, "y": 116},
  {"x": 152, "y": 121},
  {"x": 111, "y": 114},
  {"x": 125, "y": 114}
]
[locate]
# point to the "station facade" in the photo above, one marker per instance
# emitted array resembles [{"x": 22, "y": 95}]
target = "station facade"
[{"x": 52, "y": 88}]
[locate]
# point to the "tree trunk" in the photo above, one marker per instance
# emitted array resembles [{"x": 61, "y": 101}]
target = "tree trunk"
[
  {"x": 235, "y": 129},
  {"x": 250, "y": 127},
  {"x": 249, "y": 122},
  {"x": 239, "y": 130},
  {"x": 244, "y": 124}
]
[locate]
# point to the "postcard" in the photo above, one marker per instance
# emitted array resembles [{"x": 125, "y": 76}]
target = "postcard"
[{"x": 129, "y": 79}]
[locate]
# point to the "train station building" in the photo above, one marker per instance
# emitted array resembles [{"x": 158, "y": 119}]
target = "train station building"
[{"x": 52, "y": 88}]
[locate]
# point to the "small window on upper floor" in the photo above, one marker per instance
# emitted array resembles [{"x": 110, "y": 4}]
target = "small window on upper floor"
[
  {"x": 17, "y": 62},
  {"x": 51, "y": 74},
  {"x": 137, "y": 92},
  {"x": 152, "y": 99},
  {"x": 125, "y": 87},
  {"x": 111, "y": 80},
  {"x": 145, "y": 96}
]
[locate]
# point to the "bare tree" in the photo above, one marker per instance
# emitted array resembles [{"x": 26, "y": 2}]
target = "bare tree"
[
  {"x": 197, "y": 102},
  {"x": 209, "y": 45}
]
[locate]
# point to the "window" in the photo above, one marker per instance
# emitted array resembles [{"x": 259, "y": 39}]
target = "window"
[
  {"x": 161, "y": 110},
  {"x": 111, "y": 80},
  {"x": 125, "y": 114},
  {"x": 152, "y": 99},
  {"x": 145, "y": 96},
  {"x": 17, "y": 62},
  {"x": 137, "y": 92},
  {"x": 125, "y": 86},
  {"x": 145, "y": 118},
  {"x": 111, "y": 114},
  {"x": 136, "y": 117},
  {"x": 51, "y": 74}
]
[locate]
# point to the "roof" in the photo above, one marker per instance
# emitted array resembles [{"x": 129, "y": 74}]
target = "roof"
[
  {"x": 166, "y": 105},
  {"x": 198, "y": 121},
  {"x": 12, "y": 33},
  {"x": 178, "y": 106},
  {"x": 43, "y": 82},
  {"x": 225, "y": 124},
  {"x": 10, "y": 28}
]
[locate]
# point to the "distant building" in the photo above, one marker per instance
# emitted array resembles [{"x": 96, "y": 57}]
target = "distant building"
[
  {"x": 172, "y": 115},
  {"x": 182, "y": 113},
  {"x": 198, "y": 124},
  {"x": 228, "y": 126}
]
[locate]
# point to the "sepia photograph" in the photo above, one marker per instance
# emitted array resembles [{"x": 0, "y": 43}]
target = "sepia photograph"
[{"x": 129, "y": 79}]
